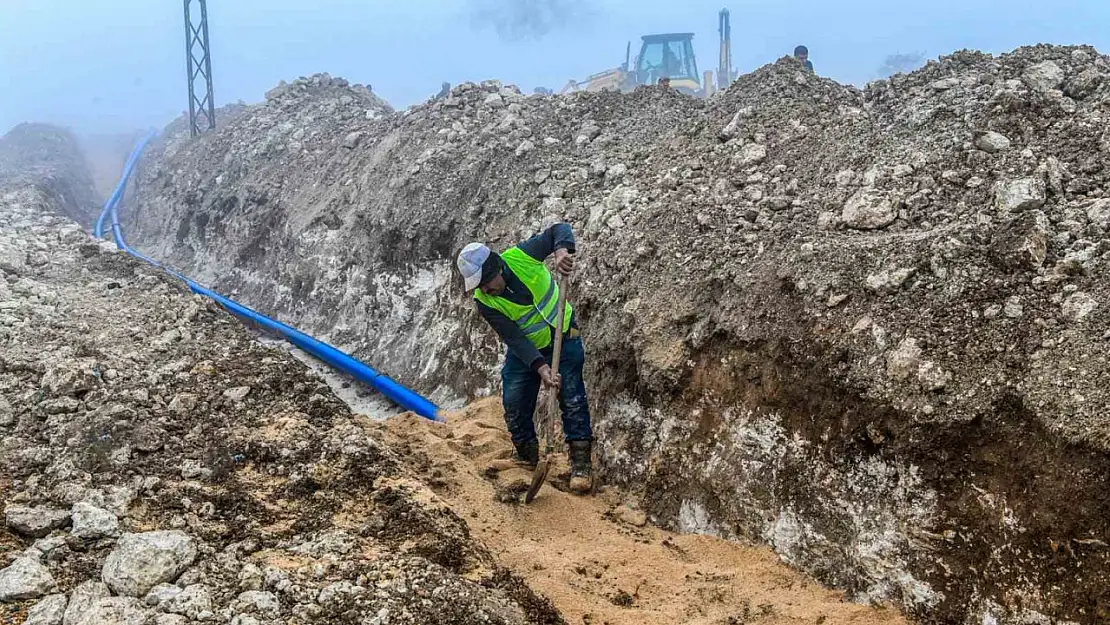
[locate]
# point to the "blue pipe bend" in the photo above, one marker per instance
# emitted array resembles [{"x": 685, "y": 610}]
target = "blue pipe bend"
[{"x": 398, "y": 393}]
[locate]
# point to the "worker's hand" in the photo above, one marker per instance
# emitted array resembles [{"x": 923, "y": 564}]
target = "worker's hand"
[
  {"x": 550, "y": 378},
  {"x": 564, "y": 262}
]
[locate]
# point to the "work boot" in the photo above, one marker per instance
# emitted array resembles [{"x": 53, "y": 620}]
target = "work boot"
[
  {"x": 580, "y": 466},
  {"x": 525, "y": 457}
]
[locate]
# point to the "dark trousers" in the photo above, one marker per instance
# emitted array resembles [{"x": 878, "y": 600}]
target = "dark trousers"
[{"x": 520, "y": 387}]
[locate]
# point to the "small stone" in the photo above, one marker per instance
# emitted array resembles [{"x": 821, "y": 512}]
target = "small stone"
[
  {"x": 992, "y": 142},
  {"x": 1099, "y": 213},
  {"x": 161, "y": 594},
  {"x": 525, "y": 147},
  {"x": 992, "y": 311},
  {"x": 888, "y": 280},
  {"x": 141, "y": 561},
  {"x": 868, "y": 209},
  {"x": 35, "y": 522},
  {"x": 82, "y": 598},
  {"x": 192, "y": 602},
  {"x": 932, "y": 377},
  {"x": 1077, "y": 306},
  {"x": 751, "y": 154},
  {"x": 632, "y": 517},
  {"x": 263, "y": 603},
  {"x": 836, "y": 300},
  {"x": 904, "y": 360},
  {"x": 7, "y": 415},
  {"x": 50, "y": 611},
  {"x": 91, "y": 522},
  {"x": 182, "y": 403},
  {"x": 901, "y": 171},
  {"x": 25, "y": 578},
  {"x": 1013, "y": 308},
  {"x": 237, "y": 393},
  {"x": 352, "y": 140},
  {"x": 115, "y": 611},
  {"x": 1021, "y": 194}
]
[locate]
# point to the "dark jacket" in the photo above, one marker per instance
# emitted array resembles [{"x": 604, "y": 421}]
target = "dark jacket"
[{"x": 559, "y": 236}]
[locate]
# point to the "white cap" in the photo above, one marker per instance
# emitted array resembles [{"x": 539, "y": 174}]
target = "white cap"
[{"x": 470, "y": 262}]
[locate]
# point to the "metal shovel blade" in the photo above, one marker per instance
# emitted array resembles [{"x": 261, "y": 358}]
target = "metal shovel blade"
[{"x": 539, "y": 476}]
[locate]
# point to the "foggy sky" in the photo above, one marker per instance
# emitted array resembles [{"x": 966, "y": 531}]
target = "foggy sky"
[{"x": 117, "y": 65}]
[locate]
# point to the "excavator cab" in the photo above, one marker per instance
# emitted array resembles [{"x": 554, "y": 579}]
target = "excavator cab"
[{"x": 668, "y": 56}]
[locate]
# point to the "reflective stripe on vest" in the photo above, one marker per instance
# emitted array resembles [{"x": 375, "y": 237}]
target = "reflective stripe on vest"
[{"x": 538, "y": 319}]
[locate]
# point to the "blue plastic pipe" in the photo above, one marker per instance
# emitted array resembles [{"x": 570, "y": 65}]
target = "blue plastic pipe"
[
  {"x": 398, "y": 393},
  {"x": 117, "y": 194}
]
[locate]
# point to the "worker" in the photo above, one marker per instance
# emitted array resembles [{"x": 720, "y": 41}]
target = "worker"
[
  {"x": 802, "y": 54},
  {"x": 517, "y": 295}
]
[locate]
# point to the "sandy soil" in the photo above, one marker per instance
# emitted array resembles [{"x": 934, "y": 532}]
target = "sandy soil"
[{"x": 593, "y": 556}]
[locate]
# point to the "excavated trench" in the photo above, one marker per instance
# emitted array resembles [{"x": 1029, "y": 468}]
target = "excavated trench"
[
  {"x": 813, "y": 328},
  {"x": 993, "y": 507}
]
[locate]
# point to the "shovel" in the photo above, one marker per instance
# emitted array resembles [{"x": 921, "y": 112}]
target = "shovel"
[{"x": 539, "y": 476}]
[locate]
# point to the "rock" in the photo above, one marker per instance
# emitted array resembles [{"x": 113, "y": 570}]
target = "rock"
[
  {"x": 1021, "y": 194},
  {"x": 868, "y": 209},
  {"x": 904, "y": 361},
  {"x": 525, "y": 147},
  {"x": 888, "y": 280},
  {"x": 1084, "y": 84},
  {"x": 194, "y": 602},
  {"x": 1022, "y": 242},
  {"x": 1099, "y": 213},
  {"x": 1077, "y": 306},
  {"x": 182, "y": 403},
  {"x": 50, "y": 611},
  {"x": 245, "y": 619},
  {"x": 944, "y": 84},
  {"x": 992, "y": 142},
  {"x": 238, "y": 393},
  {"x": 91, "y": 522},
  {"x": 115, "y": 611},
  {"x": 264, "y": 604},
  {"x": 250, "y": 577},
  {"x": 7, "y": 415},
  {"x": 630, "y": 516},
  {"x": 35, "y": 522},
  {"x": 141, "y": 561},
  {"x": 82, "y": 598},
  {"x": 160, "y": 594},
  {"x": 25, "y": 578},
  {"x": 352, "y": 140},
  {"x": 751, "y": 154},
  {"x": 1013, "y": 308},
  {"x": 71, "y": 377},
  {"x": 932, "y": 377},
  {"x": 172, "y": 619},
  {"x": 1044, "y": 76}
]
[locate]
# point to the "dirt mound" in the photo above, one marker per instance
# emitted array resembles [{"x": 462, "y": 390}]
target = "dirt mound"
[
  {"x": 135, "y": 415},
  {"x": 860, "y": 325},
  {"x": 50, "y": 159}
]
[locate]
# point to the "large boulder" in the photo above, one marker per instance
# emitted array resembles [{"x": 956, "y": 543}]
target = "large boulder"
[
  {"x": 1044, "y": 76},
  {"x": 26, "y": 578},
  {"x": 141, "y": 561}
]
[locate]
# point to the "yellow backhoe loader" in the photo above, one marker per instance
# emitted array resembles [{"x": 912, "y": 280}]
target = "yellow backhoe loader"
[{"x": 669, "y": 57}]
